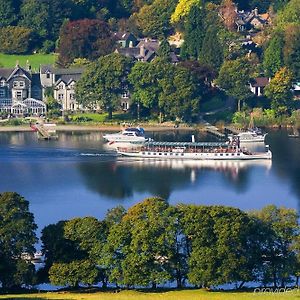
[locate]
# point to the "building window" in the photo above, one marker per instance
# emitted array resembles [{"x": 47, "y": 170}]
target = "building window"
[
  {"x": 21, "y": 83},
  {"x": 15, "y": 83},
  {"x": 72, "y": 96},
  {"x": 2, "y": 83},
  {"x": 60, "y": 96},
  {"x": 60, "y": 86},
  {"x": 18, "y": 94},
  {"x": 2, "y": 93},
  {"x": 48, "y": 75}
]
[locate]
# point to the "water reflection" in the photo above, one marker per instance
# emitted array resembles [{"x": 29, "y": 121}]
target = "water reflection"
[{"x": 125, "y": 176}]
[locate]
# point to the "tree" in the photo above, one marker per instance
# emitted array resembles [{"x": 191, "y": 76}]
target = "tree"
[
  {"x": 180, "y": 95},
  {"x": 273, "y": 56},
  {"x": 154, "y": 19},
  {"x": 17, "y": 236},
  {"x": 45, "y": 17},
  {"x": 8, "y": 14},
  {"x": 103, "y": 81},
  {"x": 228, "y": 14},
  {"x": 212, "y": 50},
  {"x": 73, "y": 273},
  {"x": 86, "y": 38},
  {"x": 182, "y": 10},
  {"x": 281, "y": 228},
  {"x": 233, "y": 78},
  {"x": 139, "y": 248},
  {"x": 164, "y": 50},
  {"x": 289, "y": 14},
  {"x": 15, "y": 40},
  {"x": 194, "y": 32},
  {"x": 279, "y": 91},
  {"x": 220, "y": 243},
  {"x": 292, "y": 49}
]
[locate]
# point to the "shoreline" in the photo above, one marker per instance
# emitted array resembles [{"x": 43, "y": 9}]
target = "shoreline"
[{"x": 22, "y": 128}]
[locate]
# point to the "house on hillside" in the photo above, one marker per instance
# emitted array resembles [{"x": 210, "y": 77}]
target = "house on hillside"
[
  {"x": 20, "y": 92},
  {"x": 258, "y": 84},
  {"x": 247, "y": 20},
  {"x": 125, "y": 39},
  {"x": 63, "y": 82},
  {"x": 146, "y": 50}
]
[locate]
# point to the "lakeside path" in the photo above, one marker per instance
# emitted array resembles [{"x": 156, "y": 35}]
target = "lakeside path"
[{"x": 101, "y": 127}]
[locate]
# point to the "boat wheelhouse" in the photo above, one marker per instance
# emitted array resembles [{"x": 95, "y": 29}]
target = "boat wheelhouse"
[{"x": 194, "y": 151}]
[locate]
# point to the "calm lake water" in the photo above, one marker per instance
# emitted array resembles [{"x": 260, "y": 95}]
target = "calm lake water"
[{"x": 78, "y": 176}]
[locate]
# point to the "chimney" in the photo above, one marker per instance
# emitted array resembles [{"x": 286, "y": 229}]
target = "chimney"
[
  {"x": 142, "y": 51},
  {"x": 255, "y": 11}
]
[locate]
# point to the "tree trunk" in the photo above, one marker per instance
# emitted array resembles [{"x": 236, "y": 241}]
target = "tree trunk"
[
  {"x": 109, "y": 113},
  {"x": 241, "y": 285},
  {"x": 153, "y": 285},
  {"x": 297, "y": 281},
  {"x": 239, "y": 105}
]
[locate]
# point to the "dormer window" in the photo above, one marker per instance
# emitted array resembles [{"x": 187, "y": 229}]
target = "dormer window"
[
  {"x": 48, "y": 75},
  {"x": 2, "y": 82},
  {"x": 15, "y": 83},
  {"x": 21, "y": 83},
  {"x": 61, "y": 86}
]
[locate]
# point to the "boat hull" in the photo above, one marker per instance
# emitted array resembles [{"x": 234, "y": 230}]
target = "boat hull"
[{"x": 197, "y": 156}]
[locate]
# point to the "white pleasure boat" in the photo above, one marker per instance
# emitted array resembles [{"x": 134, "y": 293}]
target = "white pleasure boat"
[
  {"x": 251, "y": 136},
  {"x": 127, "y": 135}
]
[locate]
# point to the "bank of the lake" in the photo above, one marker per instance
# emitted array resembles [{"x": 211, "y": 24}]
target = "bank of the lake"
[
  {"x": 169, "y": 295},
  {"x": 101, "y": 127}
]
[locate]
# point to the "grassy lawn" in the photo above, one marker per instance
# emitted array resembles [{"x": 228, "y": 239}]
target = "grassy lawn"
[
  {"x": 35, "y": 60},
  {"x": 171, "y": 295},
  {"x": 99, "y": 118}
]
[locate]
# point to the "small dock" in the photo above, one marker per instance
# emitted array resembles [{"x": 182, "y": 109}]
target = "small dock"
[
  {"x": 45, "y": 131},
  {"x": 232, "y": 130},
  {"x": 215, "y": 131}
]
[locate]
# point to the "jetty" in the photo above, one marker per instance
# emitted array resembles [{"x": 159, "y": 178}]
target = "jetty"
[{"x": 45, "y": 131}]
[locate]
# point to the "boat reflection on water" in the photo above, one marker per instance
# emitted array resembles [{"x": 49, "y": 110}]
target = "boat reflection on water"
[{"x": 232, "y": 167}]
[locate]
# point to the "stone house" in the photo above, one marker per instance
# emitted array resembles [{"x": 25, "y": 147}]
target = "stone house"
[
  {"x": 247, "y": 20},
  {"x": 63, "y": 82},
  {"x": 20, "y": 92}
]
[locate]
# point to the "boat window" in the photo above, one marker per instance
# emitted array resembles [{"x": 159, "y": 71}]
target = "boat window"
[
  {"x": 165, "y": 153},
  {"x": 159, "y": 153},
  {"x": 181, "y": 154},
  {"x": 221, "y": 154},
  {"x": 143, "y": 152},
  {"x": 238, "y": 154},
  {"x": 149, "y": 153}
]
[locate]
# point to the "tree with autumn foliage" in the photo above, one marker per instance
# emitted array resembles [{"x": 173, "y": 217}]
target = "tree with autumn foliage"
[
  {"x": 84, "y": 39},
  {"x": 228, "y": 14},
  {"x": 279, "y": 91}
]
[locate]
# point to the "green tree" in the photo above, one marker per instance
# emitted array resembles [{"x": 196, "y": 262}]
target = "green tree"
[
  {"x": 289, "y": 14},
  {"x": 212, "y": 50},
  {"x": 180, "y": 95},
  {"x": 103, "y": 81},
  {"x": 139, "y": 249},
  {"x": 45, "y": 17},
  {"x": 73, "y": 273},
  {"x": 273, "y": 55},
  {"x": 15, "y": 40},
  {"x": 154, "y": 19},
  {"x": 17, "y": 236},
  {"x": 194, "y": 32},
  {"x": 281, "y": 229},
  {"x": 292, "y": 49},
  {"x": 164, "y": 50},
  {"x": 7, "y": 13},
  {"x": 279, "y": 91},
  {"x": 221, "y": 245},
  {"x": 144, "y": 79},
  {"x": 233, "y": 78}
]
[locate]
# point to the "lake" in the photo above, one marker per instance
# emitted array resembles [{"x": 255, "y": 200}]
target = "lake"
[{"x": 77, "y": 175}]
